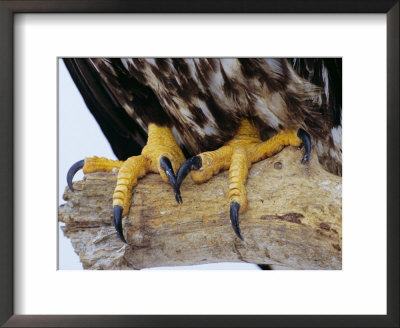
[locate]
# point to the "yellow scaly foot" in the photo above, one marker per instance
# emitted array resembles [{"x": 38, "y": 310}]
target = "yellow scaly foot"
[
  {"x": 160, "y": 155},
  {"x": 237, "y": 155}
]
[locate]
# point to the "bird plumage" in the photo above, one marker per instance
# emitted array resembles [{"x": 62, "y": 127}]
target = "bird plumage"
[{"x": 203, "y": 100}]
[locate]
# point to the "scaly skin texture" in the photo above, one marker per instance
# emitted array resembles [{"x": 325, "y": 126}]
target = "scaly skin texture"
[
  {"x": 160, "y": 143},
  {"x": 100, "y": 164},
  {"x": 238, "y": 154}
]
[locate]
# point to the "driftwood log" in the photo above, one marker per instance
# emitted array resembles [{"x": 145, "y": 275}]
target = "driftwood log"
[{"x": 293, "y": 219}]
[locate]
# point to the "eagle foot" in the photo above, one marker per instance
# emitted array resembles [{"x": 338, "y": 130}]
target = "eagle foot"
[
  {"x": 160, "y": 155},
  {"x": 237, "y": 155},
  {"x": 92, "y": 164}
]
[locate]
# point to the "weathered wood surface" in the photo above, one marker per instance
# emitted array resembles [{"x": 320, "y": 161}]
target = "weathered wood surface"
[{"x": 293, "y": 219}]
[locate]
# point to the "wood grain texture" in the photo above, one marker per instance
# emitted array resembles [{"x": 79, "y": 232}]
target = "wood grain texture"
[{"x": 293, "y": 219}]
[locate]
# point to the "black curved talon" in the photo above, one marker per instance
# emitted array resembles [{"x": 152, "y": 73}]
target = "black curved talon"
[
  {"x": 235, "y": 219},
  {"x": 71, "y": 172},
  {"x": 169, "y": 171},
  {"x": 193, "y": 163},
  {"x": 118, "y": 222},
  {"x": 305, "y": 138}
]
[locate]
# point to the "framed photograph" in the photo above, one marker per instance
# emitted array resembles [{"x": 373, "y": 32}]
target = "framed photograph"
[
  {"x": 37, "y": 291},
  {"x": 249, "y": 240}
]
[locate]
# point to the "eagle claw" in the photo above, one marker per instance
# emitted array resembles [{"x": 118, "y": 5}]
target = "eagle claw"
[
  {"x": 234, "y": 215},
  {"x": 305, "y": 138},
  {"x": 72, "y": 171},
  {"x": 118, "y": 222},
  {"x": 193, "y": 163},
  {"x": 169, "y": 171}
]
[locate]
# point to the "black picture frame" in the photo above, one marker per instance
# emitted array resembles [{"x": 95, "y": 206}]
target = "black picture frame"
[{"x": 10, "y": 7}]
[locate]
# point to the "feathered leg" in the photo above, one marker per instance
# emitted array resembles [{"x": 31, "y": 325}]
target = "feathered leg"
[
  {"x": 238, "y": 154},
  {"x": 160, "y": 155}
]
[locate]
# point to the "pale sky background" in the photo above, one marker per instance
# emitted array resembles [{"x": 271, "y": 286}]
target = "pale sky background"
[{"x": 79, "y": 137}]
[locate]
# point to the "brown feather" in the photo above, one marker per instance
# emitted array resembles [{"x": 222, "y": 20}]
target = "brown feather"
[{"x": 203, "y": 100}]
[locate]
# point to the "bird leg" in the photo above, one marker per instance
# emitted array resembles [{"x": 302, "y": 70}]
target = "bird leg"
[
  {"x": 237, "y": 155},
  {"x": 160, "y": 155}
]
